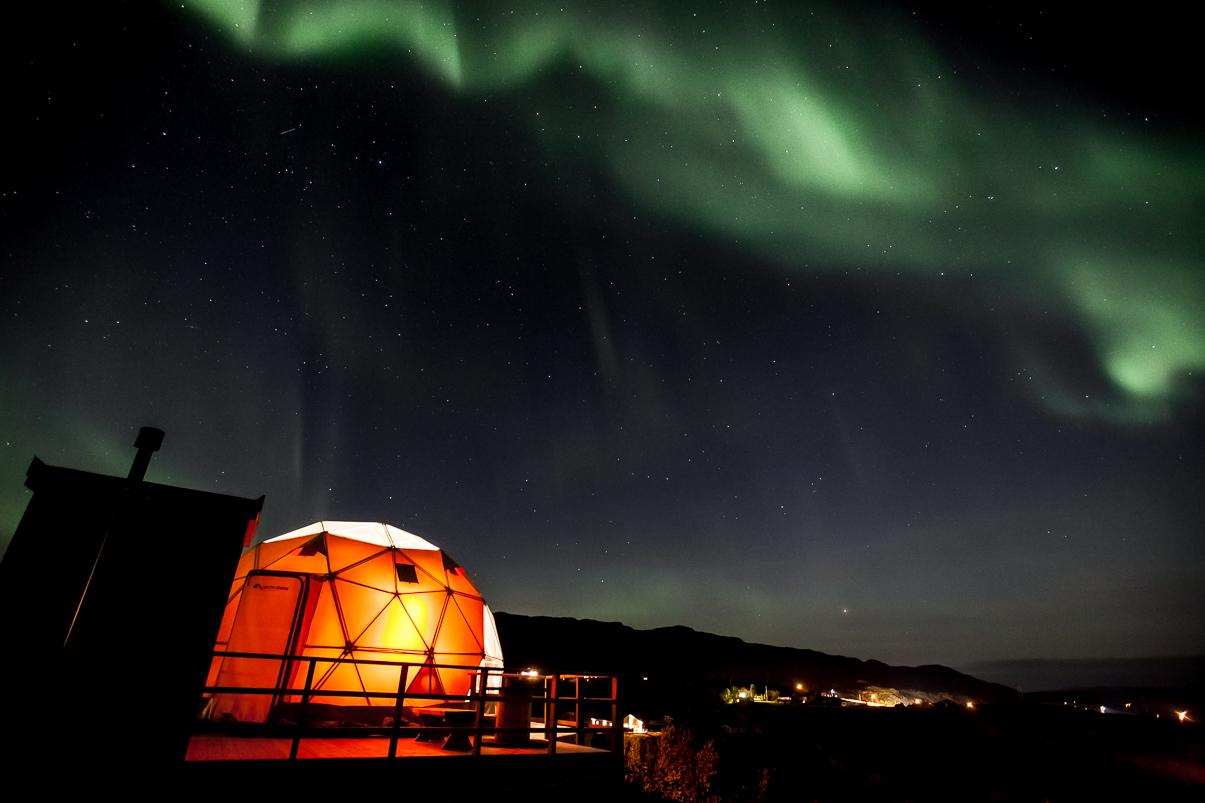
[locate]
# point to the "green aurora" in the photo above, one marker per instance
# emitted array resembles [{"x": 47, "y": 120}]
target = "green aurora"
[{"x": 827, "y": 143}]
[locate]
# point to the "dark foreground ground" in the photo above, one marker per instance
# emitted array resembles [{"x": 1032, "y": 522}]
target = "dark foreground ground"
[
  {"x": 1006, "y": 753},
  {"x": 738, "y": 753}
]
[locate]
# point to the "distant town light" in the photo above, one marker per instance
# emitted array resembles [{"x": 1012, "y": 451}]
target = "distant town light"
[
  {"x": 970, "y": 704},
  {"x": 798, "y": 687},
  {"x": 1183, "y": 716},
  {"x": 917, "y": 701},
  {"x": 1102, "y": 709}
]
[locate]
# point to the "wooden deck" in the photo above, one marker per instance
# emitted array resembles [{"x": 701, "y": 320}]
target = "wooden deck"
[
  {"x": 216, "y": 764},
  {"x": 211, "y": 747}
]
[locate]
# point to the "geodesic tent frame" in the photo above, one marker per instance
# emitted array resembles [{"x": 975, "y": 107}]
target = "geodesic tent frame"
[{"x": 349, "y": 592}]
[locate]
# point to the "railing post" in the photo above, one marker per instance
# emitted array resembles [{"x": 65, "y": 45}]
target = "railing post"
[
  {"x": 397, "y": 709},
  {"x": 302, "y": 716},
  {"x": 484, "y": 676},
  {"x": 616, "y": 722},
  {"x": 550, "y": 698},
  {"x": 579, "y": 707}
]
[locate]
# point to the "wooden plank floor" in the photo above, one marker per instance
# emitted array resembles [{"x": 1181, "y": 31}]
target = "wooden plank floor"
[{"x": 211, "y": 747}]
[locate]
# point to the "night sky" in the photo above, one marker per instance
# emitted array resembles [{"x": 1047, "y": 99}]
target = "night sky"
[{"x": 878, "y": 332}]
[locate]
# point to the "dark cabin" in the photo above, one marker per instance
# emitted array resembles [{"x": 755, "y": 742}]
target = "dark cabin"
[{"x": 111, "y": 591}]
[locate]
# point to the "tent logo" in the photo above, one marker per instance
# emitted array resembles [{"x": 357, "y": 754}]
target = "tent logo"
[{"x": 264, "y": 587}]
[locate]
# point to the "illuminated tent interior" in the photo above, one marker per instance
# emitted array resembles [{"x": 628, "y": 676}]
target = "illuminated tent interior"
[{"x": 352, "y": 590}]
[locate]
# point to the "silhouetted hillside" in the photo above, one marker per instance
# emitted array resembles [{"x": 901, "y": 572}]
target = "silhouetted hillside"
[{"x": 690, "y": 658}]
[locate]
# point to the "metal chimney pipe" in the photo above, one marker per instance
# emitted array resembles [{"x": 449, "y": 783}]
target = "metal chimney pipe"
[{"x": 148, "y": 442}]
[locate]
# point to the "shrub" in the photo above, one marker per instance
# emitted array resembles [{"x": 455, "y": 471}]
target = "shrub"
[{"x": 672, "y": 764}]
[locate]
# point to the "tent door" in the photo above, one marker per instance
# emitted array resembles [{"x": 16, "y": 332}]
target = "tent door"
[{"x": 266, "y": 623}]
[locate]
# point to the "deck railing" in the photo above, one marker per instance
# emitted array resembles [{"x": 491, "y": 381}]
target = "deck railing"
[{"x": 553, "y": 706}]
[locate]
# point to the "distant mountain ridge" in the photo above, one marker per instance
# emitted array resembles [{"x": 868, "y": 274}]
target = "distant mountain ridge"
[{"x": 705, "y": 659}]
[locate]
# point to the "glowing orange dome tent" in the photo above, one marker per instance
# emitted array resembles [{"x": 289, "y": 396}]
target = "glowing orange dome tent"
[{"x": 350, "y": 590}]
